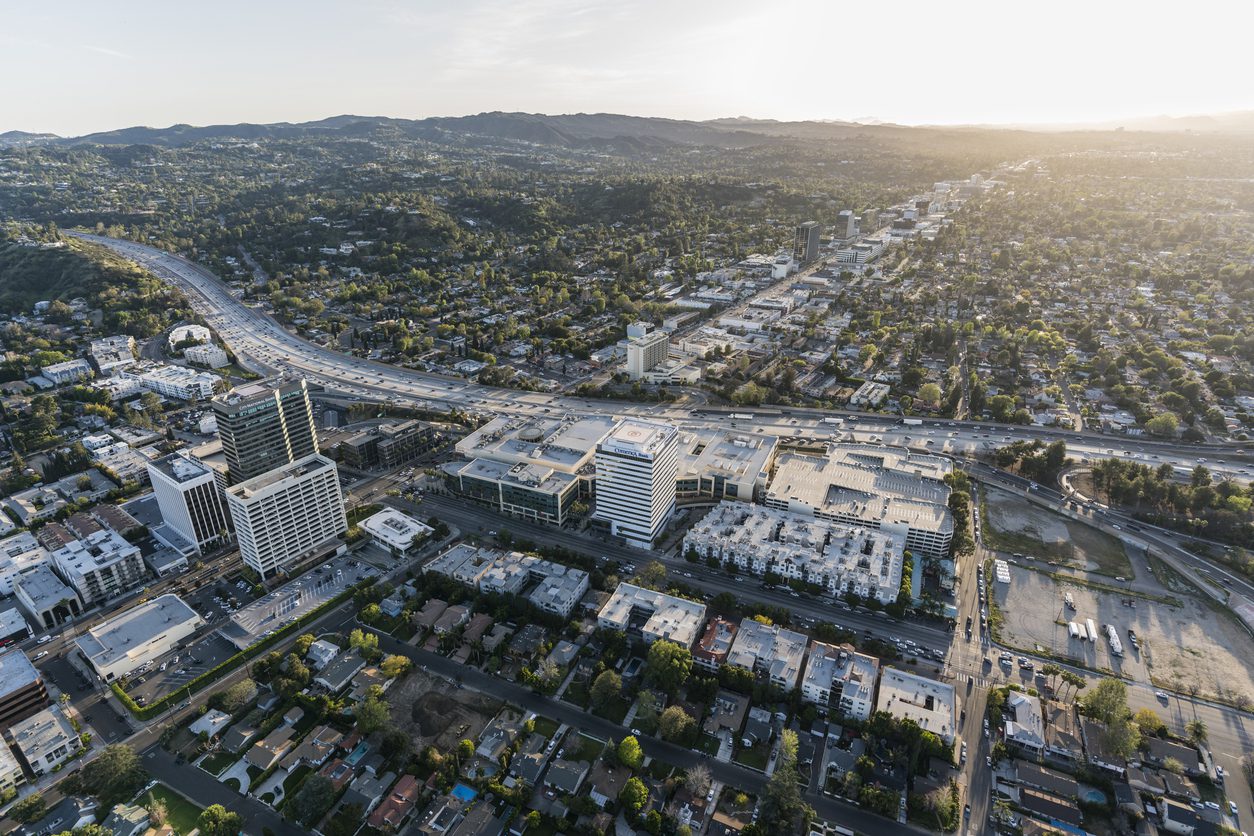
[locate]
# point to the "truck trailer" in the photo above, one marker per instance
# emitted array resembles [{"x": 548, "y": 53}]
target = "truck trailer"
[{"x": 1088, "y": 622}]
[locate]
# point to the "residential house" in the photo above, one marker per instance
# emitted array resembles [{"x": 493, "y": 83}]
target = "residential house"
[
  {"x": 397, "y": 805},
  {"x": 1050, "y": 807},
  {"x": 367, "y": 791},
  {"x": 451, "y": 619},
  {"x": 606, "y": 782},
  {"x": 566, "y": 776},
  {"x": 1159, "y": 751},
  {"x": 321, "y": 653},
  {"x": 1025, "y": 730},
  {"x": 1038, "y": 777},
  {"x": 430, "y": 613},
  {"x": 1179, "y": 818},
  {"x": 127, "y": 820},
  {"x": 266, "y": 752},
  {"x": 336, "y": 675}
]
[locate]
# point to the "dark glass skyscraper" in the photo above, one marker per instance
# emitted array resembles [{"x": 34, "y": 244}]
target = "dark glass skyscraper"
[{"x": 265, "y": 425}]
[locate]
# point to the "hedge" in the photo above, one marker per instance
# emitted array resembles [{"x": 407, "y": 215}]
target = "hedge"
[{"x": 227, "y": 665}]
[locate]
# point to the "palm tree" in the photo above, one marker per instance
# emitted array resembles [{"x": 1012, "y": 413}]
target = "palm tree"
[{"x": 1196, "y": 730}]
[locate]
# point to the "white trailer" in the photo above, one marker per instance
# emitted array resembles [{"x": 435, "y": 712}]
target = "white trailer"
[
  {"x": 836, "y": 421},
  {"x": 1116, "y": 646},
  {"x": 1073, "y": 629},
  {"x": 1088, "y": 622},
  {"x": 1081, "y": 633}
]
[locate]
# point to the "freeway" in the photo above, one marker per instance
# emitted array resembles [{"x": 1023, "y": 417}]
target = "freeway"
[{"x": 265, "y": 346}]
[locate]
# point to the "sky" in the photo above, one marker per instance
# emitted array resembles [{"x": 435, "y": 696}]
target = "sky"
[{"x": 75, "y": 67}]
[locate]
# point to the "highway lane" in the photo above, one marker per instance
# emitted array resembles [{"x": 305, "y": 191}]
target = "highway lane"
[{"x": 266, "y": 346}]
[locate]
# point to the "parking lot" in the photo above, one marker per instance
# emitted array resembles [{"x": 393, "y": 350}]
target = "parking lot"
[
  {"x": 176, "y": 669},
  {"x": 1182, "y": 646}
]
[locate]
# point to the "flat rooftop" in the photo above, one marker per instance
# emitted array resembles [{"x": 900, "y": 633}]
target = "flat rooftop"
[
  {"x": 561, "y": 443},
  {"x": 724, "y": 453},
  {"x": 929, "y": 703},
  {"x": 44, "y": 588},
  {"x": 535, "y": 477},
  {"x": 16, "y": 672},
  {"x": 641, "y": 438},
  {"x": 179, "y": 468},
  {"x": 262, "y": 482},
  {"x": 118, "y": 637}
]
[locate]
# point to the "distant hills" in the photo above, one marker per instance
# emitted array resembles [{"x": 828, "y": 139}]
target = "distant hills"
[{"x": 589, "y": 130}]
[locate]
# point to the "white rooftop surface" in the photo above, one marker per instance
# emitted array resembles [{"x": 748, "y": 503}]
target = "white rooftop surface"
[
  {"x": 180, "y": 468},
  {"x": 44, "y": 588},
  {"x": 266, "y": 481},
  {"x": 730, "y": 454},
  {"x": 858, "y": 485},
  {"x": 676, "y": 619},
  {"x": 16, "y": 671},
  {"x": 95, "y": 552},
  {"x": 563, "y": 443},
  {"x": 778, "y": 651},
  {"x": 927, "y": 702},
  {"x": 42, "y": 732},
  {"x": 1028, "y": 725},
  {"x": 641, "y": 438},
  {"x": 536, "y": 477},
  {"x": 115, "y": 639},
  {"x": 829, "y": 663},
  {"x": 393, "y": 525}
]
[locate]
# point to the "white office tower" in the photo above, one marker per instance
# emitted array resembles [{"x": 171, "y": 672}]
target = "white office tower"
[
  {"x": 636, "y": 465},
  {"x": 287, "y": 514},
  {"x": 647, "y": 352},
  {"x": 846, "y": 227},
  {"x": 190, "y": 500}
]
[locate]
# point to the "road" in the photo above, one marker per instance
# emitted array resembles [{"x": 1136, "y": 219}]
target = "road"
[
  {"x": 265, "y": 346},
  {"x": 730, "y": 774}
]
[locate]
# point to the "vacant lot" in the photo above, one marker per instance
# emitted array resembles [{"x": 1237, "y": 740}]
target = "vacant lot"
[
  {"x": 1011, "y": 524},
  {"x": 436, "y": 712},
  {"x": 1182, "y": 647}
]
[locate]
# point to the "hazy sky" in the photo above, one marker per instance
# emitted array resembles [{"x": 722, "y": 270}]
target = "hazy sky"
[{"x": 73, "y": 67}]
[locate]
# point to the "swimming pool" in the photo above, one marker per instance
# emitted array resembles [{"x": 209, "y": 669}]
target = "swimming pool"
[
  {"x": 1094, "y": 795},
  {"x": 463, "y": 793}
]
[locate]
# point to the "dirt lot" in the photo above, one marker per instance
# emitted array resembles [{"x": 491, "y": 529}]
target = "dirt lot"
[
  {"x": 1181, "y": 646},
  {"x": 1014, "y": 525},
  {"x": 435, "y": 712}
]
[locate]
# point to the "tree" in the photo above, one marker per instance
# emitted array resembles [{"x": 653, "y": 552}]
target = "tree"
[
  {"x": 646, "y": 708},
  {"x": 1148, "y": 721},
  {"x": 395, "y": 666},
  {"x": 367, "y": 644},
  {"x": 605, "y": 689},
  {"x": 930, "y": 394},
  {"x": 629, "y": 752},
  {"x": 697, "y": 780},
  {"x": 633, "y": 797},
  {"x": 216, "y": 820},
  {"x": 31, "y": 808},
  {"x": 372, "y": 715},
  {"x": 311, "y": 801},
  {"x": 114, "y": 775},
  {"x": 653, "y": 575},
  {"x": 1164, "y": 424},
  {"x": 675, "y": 724},
  {"x": 303, "y": 642},
  {"x": 668, "y": 665},
  {"x": 371, "y": 613},
  {"x": 783, "y": 809},
  {"x": 157, "y": 812},
  {"x": 238, "y": 695},
  {"x": 1196, "y": 730},
  {"x": 1108, "y": 701}
]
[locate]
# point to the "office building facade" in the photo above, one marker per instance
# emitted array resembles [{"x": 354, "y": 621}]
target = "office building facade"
[
  {"x": 805, "y": 247},
  {"x": 286, "y": 515},
  {"x": 190, "y": 500},
  {"x": 265, "y": 425},
  {"x": 636, "y": 466}
]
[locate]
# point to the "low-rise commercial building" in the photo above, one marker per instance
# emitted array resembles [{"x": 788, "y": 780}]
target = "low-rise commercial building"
[
  {"x": 530, "y": 491},
  {"x": 773, "y": 652},
  {"x": 395, "y": 531},
  {"x": 652, "y": 615},
  {"x": 46, "y": 601},
  {"x": 883, "y": 488},
  {"x": 11, "y": 773},
  {"x": 927, "y": 702},
  {"x": 388, "y": 445},
  {"x": 44, "y": 740},
  {"x": 125, "y": 643},
  {"x": 722, "y": 464}
]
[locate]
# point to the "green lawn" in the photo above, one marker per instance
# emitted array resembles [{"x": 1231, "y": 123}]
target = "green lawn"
[
  {"x": 546, "y": 727},
  {"x": 754, "y": 757},
  {"x": 181, "y": 814},
  {"x": 583, "y": 748},
  {"x": 708, "y": 744},
  {"x": 216, "y": 763},
  {"x": 294, "y": 779},
  {"x": 660, "y": 769},
  {"x": 615, "y": 711}
]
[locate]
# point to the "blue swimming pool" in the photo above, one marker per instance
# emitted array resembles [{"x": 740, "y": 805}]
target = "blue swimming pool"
[
  {"x": 1095, "y": 796},
  {"x": 463, "y": 793}
]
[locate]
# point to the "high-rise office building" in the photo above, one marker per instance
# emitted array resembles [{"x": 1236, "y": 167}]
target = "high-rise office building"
[
  {"x": 190, "y": 500},
  {"x": 646, "y": 352},
  {"x": 805, "y": 247},
  {"x": 265, "y": 425},
  {"x": 846, "y": 226},
  {"x": 636, "y": 466},
  {"x": 287, "y": 514}
]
